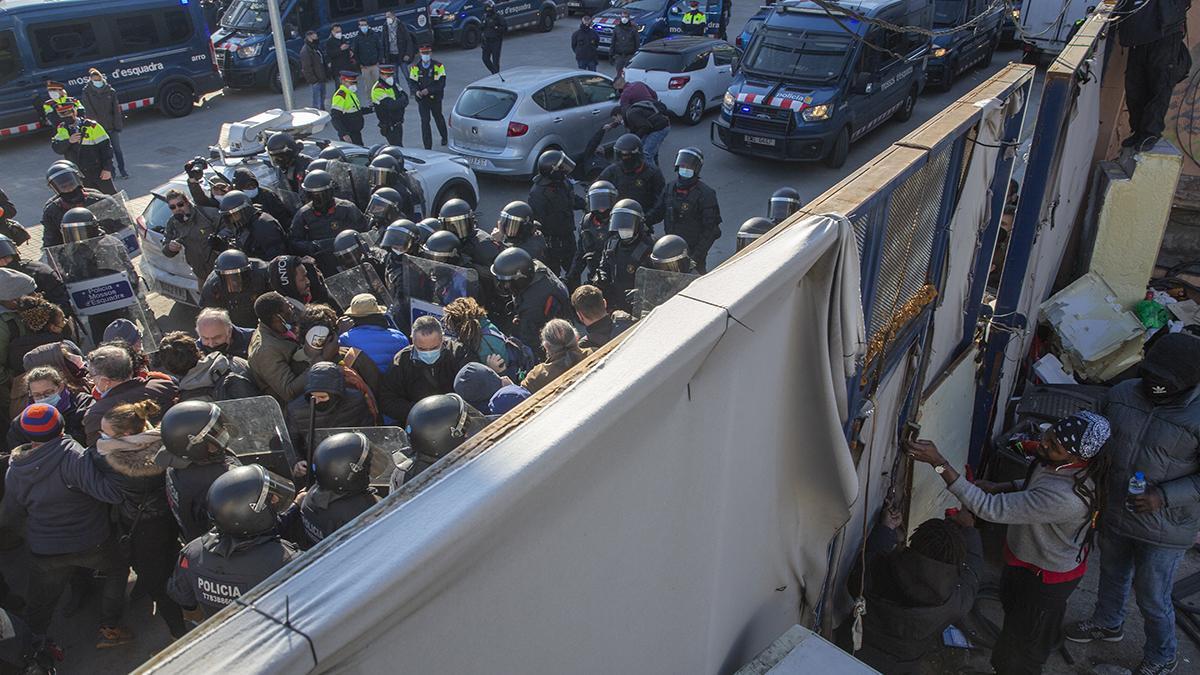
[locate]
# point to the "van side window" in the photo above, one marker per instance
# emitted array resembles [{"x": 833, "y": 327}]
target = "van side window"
[
  {"x": 134, "y": 33},
  {"x": 10, "y": 58},
  {"x": 340, "y": 9},
  {"x": 179, "y": 25},
  {"x": 62, "y": 43}
]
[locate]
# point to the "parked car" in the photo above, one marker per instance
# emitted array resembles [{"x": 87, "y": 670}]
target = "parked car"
[
  {"x": 442, "y": 177},
  {"x": 502, "y": 123},
  {"x": 690, "y": 74},
  {"x": 955, "y": 53},
  {"x": 460, "y": 21}
]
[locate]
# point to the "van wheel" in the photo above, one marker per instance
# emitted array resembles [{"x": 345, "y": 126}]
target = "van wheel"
[
  {"x": 991, "y": 53},
  {"x": 841, "y": 148},
  {"x": 905, "y": 112},
  {"x": 546, "y": 21},
  {"x": 695, "y": 109},
  {"x": 273, "y": 78},
  {"x": 470, "y": 37},
  {"x": 175, "y": 99}
]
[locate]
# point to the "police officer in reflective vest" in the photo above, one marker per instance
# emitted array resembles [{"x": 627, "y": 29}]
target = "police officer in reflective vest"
[
  {"x": 427, "y": 81},
  {"x": 346, "y": 110},
  {"x": 85, "y": 143},
  {"x": 694, "y": 20},
  {"x": 390, "y": 102}
]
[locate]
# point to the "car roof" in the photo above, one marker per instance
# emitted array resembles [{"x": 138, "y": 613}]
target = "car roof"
[
  {"x": 681, "y": 44},
  {"x": 523, "y": 78}
]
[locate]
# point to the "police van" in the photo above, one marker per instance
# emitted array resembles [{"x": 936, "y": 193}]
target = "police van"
[
  {"x": 245, "y": 48},
  {"x": 955, "y": 52},
  {"x": 460, "y": 21},
  {"x": 153, "y": 52},
  {"x": 653, "y": 19},
  {"x": 809, "y": 85}
]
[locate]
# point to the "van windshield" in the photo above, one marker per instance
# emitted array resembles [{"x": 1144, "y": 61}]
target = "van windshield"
[
  {"x": 249, "y": 15},
  {"x": 796, "y": 54},
  {"x": 947, "y": 12},
  {"x": 641, "y": 5}
]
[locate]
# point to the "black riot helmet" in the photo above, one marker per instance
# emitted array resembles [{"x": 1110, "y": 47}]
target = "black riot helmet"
[
  {"x": 317, "y": 165},
  {"x": 64, "y": 177},
  {"x": 400, "y": 236},
  {"x": 784, "y": 202},
  {"x": 348, "y": 249},
  {"x": 555, "y": 164},
  {"x": 442, "y": 246},
  {"x": 318, "y": 188},
  {"x": 237, "y": 208},
  {"x": 393, "y": 151},
  {"x": 601, "y": 196},
  {"x": 436, "y": 425},
  {"x": 628, "y": 220},
  {"x": 8, "y": 249},
  {"x": 752, "y": 229},
  {"x": 628, "y": 151},
  {"x": 342, "y": 463},
  {"x": 513, "y": 270},
  {"x": 516, "y": 219},
  {"x": 383, "y": 171},
  {"x": 195, "y": 431},
  {"x": 426, "y": 227},
  {"x": 688, "y": 162},
  {"x": 457, "y": 217},
  {"x": 283, "y": 149},
  {"x": 79, "y": 224},
  {"x": 670, "y": 254},
  {"x": 331, "y": 153},
  {"x": 384, "y": 205},
  {"x": 233, "y": 267},
  {"x": 244, "y": 501}
]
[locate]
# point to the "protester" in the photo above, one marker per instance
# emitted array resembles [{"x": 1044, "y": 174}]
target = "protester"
[
  {"x": 506, "y": 398},
  {"x": 312, "y": 68},
  {"x": 203, "y": 377},
  {"x": 426, "y": 367},
  {"x": 217, "y": 334},
  {"x": 318, "y": 328},
  {"x": 273, "y": 346},
  {"x": 368, "y": 51},
  {"x": 13, "y": 287},
  {"x": 190, "y": 229},
  {"x": 477, "y": 384},
  {"x": 265, "y": 199},
  {"x": 1155, "y": 33},
  {"x": 327, "y": 403},
  {"x": 46, "y": 385},
  {"x": 599, "y": 325},
  {"x": 45, "y": 279},
  {"x": 67, "y": 359},
  {"x": 42, "y": 323},
  {"x": 372, "y": 331},
  {"x": 560, "y": 343},
  {"x": 649, "y": 120},
  {"x": 112, "y": 371},
  {"x": 585, "y": 43},
  {"x": 298, "y": 280},
  {"x": 102, "y": 103},
  {"x": 468, "y": 322}
]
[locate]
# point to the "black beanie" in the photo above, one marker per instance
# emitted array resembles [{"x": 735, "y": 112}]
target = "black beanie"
[{"x": 1173, "y": 362}]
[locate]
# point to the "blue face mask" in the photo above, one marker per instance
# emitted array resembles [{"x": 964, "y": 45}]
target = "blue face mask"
[
  {"x": 686, "y": 174},
  {"x": 429, "y": 357},
  {"x": 97, "y": 83},
  {"x": 251, "y": 193},
  {"x": 59, "y": 400}
]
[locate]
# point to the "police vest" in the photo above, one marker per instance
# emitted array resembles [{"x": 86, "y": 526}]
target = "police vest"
[
  {"x": 423, "y": 76},
  {"x": 382, "y": 92},
  {"x": 694, "y": 19},
  {"x": 91, "y": 133},
  {"x": 345, "y": 101}
]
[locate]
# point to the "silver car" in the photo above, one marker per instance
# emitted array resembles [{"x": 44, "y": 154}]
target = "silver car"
[{"x": 502, "y": 123}]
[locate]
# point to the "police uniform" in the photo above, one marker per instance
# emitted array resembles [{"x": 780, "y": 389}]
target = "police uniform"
[
  {"x": 345, "y": 112},
  {"x": 93, "y": 153},
  {"x": 491, "y": 39},
  {"x": 56, "y": 207},
  {"x": 50, "y": 115},
  {"x": 239, "y": 305},
  {"x": 215, "y": 570},
  {"x": 545, "y": 298},
  {"x": 263, "y": 237},
  {"x": 644, "y": 185},
  {"x": 187, "y": 495},
  {"x": 313, "y": 232},
  {"x": 554, "y": 204},
  {"x": 294, "y": 174},
  {"x": 534, "y": 245},
  {"x": 618, "y": 268},
  {"x": 321, "y": 519},
  {"x": 390, "y": 102},
  {"x": 692, "y": 212},
  {"x": 694, "y": 22},
  {"x": 433, "y": 78},
  {"x": 593, "y": 231}
]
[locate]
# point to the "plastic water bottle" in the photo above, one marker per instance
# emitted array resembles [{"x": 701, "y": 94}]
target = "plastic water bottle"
[{"x": 1137, "y": 486}]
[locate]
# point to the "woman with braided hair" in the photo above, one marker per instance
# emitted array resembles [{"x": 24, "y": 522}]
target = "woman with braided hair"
[
  {"x": 467, "y": 321},
  {"x": 1051, "y": 516}
]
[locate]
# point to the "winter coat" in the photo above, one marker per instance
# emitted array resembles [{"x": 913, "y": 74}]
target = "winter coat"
[
  {"x": 77, "y": 406},
  {"x": 379, "y": 342},
  {"x": 399, "y": 34},
  {"x": 586, "y": 44},
  {"x": 1163, "y": 442},
  {"x": 128, "y": 462},
  {"x": 645, "y": 117},
  {"x": 312, "y": 63},
  {"x": 340, "y": 59},
  {"x": 194, "y": 235},
  {"x": 368, "y": 50},
  {"x": 1147, "y": 21},
  {"x": 603, "y": 331},
  {"x": 104, "y": 106},
  {"x": 410, "y": 379},
  {"x": 62, "y": 495},
  {"x": 625, "y": 39},
  {"x": 217, "y": 378},
  {"x": 239, "y": 343},
  {"x": 164, "y": 393},
  {"x": 346, "y": 407},
  {"x": 556, "y": 364},
  {"x": 272, "y": 362}
]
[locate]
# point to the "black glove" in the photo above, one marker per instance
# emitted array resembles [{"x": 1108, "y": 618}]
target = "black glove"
[{"x": 195, "y": 168}]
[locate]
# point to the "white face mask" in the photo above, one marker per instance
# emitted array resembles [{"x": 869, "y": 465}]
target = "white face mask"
[
  {"x": 352, "y": 87},
  {"x": 426, "y": 58},
  {"x": 56, "y": 95},
  {"x": 387, "y": 80},
  {"x": 337, "y": 35},
  {"x": 625, "y": 19},
  {"x": 391, "y": 20}
]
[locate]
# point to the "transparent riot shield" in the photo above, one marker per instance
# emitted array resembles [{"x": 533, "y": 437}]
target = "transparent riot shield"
[
  {"x": 389, "y": 452},
  {"x": 291, "y": 200},
  {"x": 115, "y": 218},
  {"x": 343, "y": 286},
  {"x": 430, "y": 286},
  {"x": 350, "y": 182},
  {"x": 654, "y": 287},
  {"x": 258, "y": 433},
  {"x": 413, "y": 181},
  {"x": 103, "y": 287}
]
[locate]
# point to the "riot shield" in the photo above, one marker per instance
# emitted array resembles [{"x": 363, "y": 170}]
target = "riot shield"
[
  {"x": 115, "y": 218},
  {"x": 343, "y": 286},
  {"x": 350, "y": 182},
  {"x": 389, "y": 448},
  {"x": 103, "y": 287},
  {"x": 654, "y": 287},
  {"x": 258, "y": 433},
  {"x": 430, "y": 286},
  {"x": 413, "y": 181}
]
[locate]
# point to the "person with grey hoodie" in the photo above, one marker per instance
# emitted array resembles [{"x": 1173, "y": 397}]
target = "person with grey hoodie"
[
  {"x": 1051, "y": 517},
  {"x": 103, "y": 105}
]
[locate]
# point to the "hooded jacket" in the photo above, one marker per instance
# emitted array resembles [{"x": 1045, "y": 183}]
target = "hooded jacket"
[
  {"x": 347, "y": 407},
  {"x": 275, "y": 371},
  {"x": 217, "y": 378},
  {"x": 164, "y": 393},
  {"x": 128, "y": 462}
]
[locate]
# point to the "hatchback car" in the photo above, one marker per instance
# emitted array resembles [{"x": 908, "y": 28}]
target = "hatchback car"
[
  {"x": 502, "y": 123},
  {"x": 689, "y": 74}
]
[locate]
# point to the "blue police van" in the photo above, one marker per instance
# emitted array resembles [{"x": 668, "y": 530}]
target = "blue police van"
[
  {"x": 653, "y": 19},
  {"x": 153, "y": 52},
  {"x": 459, "y": 21},
  {"x": 245, "y": 48},
  {"x": 808, "y": 85},
  {"x": 954, "y": 53}
]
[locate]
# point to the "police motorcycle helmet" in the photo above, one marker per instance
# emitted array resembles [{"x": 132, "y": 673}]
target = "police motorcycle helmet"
[
  {"x": 438, "y": 424},
  {"x": 457, "y": 216},
  {"x": 349, "y": 249},
  {"x": 237, "y": 208},
  {"x": 318, "y": 189},
  {"x": 670, "y": 254},
  {"x": 628, "y": 151},
  {"x": 400, "y": 237},
  {"x": 384, "y": 205},
  {"x": 784, "y": 202},
  {"x": 332, "y": 154},
  {"x": 442, "y": 247},
  {"x": 688, "y": 162},
  {"x": 342, "y": 463},
  {"x": 426, "y": 227},
  {"x": 601, "y": 196},
  {"x": 244, "y": 501},
  {"x": 515, "y": 219},
  {"x": 64, "y": 177},
  {"x": 233, "y": 268},
  {"x": 628, "y": 220},
  {"x": 752, "y": 229},
  {"x": 283, "y": 149},
  {"x": 79, "y": 224},
  {"x": 8, "y": 248},
  {"x": 383, "y": 171},
  {"x": 513, "y": 270},
  {"x": 555, "y": 164},
  {"x": 195, "y": 431}
]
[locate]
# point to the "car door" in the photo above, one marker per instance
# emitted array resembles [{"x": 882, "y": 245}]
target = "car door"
[
  {"x": 722, "y": 72},
  {"x": 864, "y": 95},
  {"x": 599, "y": 100},
  {"x": 563, "y": 116}
]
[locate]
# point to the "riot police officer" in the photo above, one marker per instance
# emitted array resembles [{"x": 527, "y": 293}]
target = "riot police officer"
[
  {"x": 196, "y": 437},
  {"x": 627, "y": 248},
  {"x": 79, "y": 224},
  {"x": 477, "y": 247},
  {"x": 442, "y": 246},
  {"x": 554, "y": 204},
  {"x": 66, "y": 182},
  {"x": 593, "y": 231},
  {"x": 342, "y": 466},
  {"x": 385, "y": 171},
  {"x": 48, "y": 284},
  {"x": 517, "y": 227},
  {"x": 635, "y": 179},
  {"x": 752, "y": 229},
  {"x": 248, "y": 228},
  {"x": 670, "y": 254},
  {"x": 264, "y": 198},
  {"x": 399, "y": 239},
  {"x": 383, "y": 207},
  {"x": 234, "y": 283},
  {"x": 692, "y": 211},
  {"x": 535, "y": 295},
  {"x": 350, "y": 250},
  {"x": 784, "y": 202},
  {"x": 221, "y": 566},
  {"x": 425, "y": 229},
  {"x": 436, "y": 426},
  {"x": 284, "y": 152},
  {"x": 320, "y": 220}
]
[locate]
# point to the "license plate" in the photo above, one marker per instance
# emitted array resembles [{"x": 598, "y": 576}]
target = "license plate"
[
  {"x": 759, "y": 140},
  {"x": 478, "y": 162},
  {"x": 574, "y": 4},
  {"x": 176, "y": 293},
  {"x": 604, "y": 39}
]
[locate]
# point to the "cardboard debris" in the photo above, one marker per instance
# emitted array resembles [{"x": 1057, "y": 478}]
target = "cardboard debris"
[
  {"x": 1187, "y": 311},
  {"x": 1097, "y": 337}
]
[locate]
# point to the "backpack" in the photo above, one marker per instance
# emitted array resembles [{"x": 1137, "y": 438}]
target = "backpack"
[{"x": 655, "y": 112}]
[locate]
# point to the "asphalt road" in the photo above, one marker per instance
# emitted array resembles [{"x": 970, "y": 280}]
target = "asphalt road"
[{"x": 157, "y": 147}]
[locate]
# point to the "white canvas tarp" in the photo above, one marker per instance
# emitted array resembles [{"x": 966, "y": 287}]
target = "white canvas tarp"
[{"x": 669, "y": 511}]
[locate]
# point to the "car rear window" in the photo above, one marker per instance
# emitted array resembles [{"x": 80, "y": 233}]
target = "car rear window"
[
  {"x": 481, "y": 103},
  {"x": 157, "y": 214},
  {"x": 671, "y": 63}
]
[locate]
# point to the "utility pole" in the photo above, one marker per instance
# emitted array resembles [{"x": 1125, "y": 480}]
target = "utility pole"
[{"x": 281, "y": 55}]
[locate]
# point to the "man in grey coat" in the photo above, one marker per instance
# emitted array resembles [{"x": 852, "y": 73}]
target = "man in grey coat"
[{"x": 101, "y": 101}]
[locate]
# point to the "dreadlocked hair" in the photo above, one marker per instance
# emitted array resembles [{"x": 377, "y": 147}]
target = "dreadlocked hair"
[
  {"x": 1091, "y": 486},
  {"x": 462, "y": 317},
  {"x": 940, "y": 540}
]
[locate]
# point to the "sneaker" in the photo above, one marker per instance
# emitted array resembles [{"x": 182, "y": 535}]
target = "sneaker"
[
  {"x": 1086, "y": 631},
  {"x": 1147, "y": 668},
  {"x": 113, "y": 636}
]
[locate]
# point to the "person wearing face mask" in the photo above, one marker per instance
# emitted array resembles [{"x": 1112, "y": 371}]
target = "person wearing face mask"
[
  {"x": 636, "y": 179},
  {"x": 264, "y": 198},
  {"x": 216, "y": 333},
  {"x": 535, "y": 295},
  {"x": 695, "y": 22},
  {"x": 390, "y": 102},
  {"x": 339, "y": 53},
  {"x": 625, "y": 43},
  {"x": 318, "y": 222},
  {"x": 346, "y": 109},
  {"x": 318, "y": 326},
  {"x": 492, "y": 36},
  {"x": 55, "y": 92},
  {"x": 427, "y": 81},
  {"x": 190, "y": 229},
  {"x": 593, "y": 232},
  {"x": 102, "y": 102},
  {"x": 113, "y": 377},
  {"x": 47, "y": 385},
  {"x": 628, "y": 247},
  {"x": 692, "y": 211},
  {"x": 397, "y": 41},
  {"x": 1156, "y": 424},
  {"x": 86, "y": 143},
  {"x": 327, "y": 403},
  {"x": 585, "y": 43},
  {"x": 426, "y": 367},
  {"x": 273, "y": 346},
  {"x": 312, "y": 68},
  {"x": 66, "y": 183},
  {"x": 368, "y": 51}
]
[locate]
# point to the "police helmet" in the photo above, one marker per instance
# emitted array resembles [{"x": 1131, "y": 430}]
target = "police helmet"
[
  {"x": 689, "y": 159},
  {"x": 752, "y": 229},
  {"x": 384, "y": 205},
  {"x": 628, "y": 219},
  {"x": 784, "y": 202},
  {"x": 318, "y": 187},
  {"x": 457, "y": 217},
  {"x": 348, "y": 248},
  {"x": 441, "y": 246},
  {"x": 515, "y": 219},
  {"x": 426, "y": 227},
  {"x": 64, "y": 177},
  {"x": 601, "y": 196},
  {"x": 670, "y": 254},
  {"x": 79, "y": 224},
  {"x": 237, "y": 207},
  {"x": 317, "y": 165},
  {"x": 436, "y": 425},
  {"x": 332, "y": 154},
  {"x": 342, "y": 463},
  {"x": 395, "y": 152},
  {"x": 8, "y": 249},
  {"x": 283, "y": 149},
  {"x": 383, "y": 170},
  {"x": 628, "y": 150},
  {"x": 244, "y": 501},
  {"x": 195, "y": 431},
  {"x": 233, "y": 268},
  {"x": 513, "y": 270},
  {"x": 555, "y": 164}
]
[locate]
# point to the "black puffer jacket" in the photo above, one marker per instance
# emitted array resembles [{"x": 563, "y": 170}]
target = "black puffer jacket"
[
  {"x": 411, "y": 379},
  {"x": 346, "y": 407},
  {"x": 129, "y": 462}
]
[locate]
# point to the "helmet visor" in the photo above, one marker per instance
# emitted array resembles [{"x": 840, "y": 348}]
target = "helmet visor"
[
  {"x": 781, "y": 207},
  {"x": 680, "y": 263},
  {"x": 64, "y": 180},
  {"x": 380, "y": 207},
  {"x": 601, "y": 200},
  {"x": 240, "y": 215},
  {"x": 564, "y": 166},
  {"x": 215, "y": 431},
  {"x": 510, "y": 225},
  {"x": 398, "y": 238},
  {"x": 235, "y": 280},
  {"x": 379, "y": 176},
  {"x": 625, "y": 222},
  {"x": 743, "y": 240},
  {"x": 460, "y": 225},
  {"x": 276, "y": 494},
  {"x": 348, "y": 257},
  {"x": 321, "y": 199},
  {"x": 689, "y": 159},
  {"x": 73, "y": 232}
]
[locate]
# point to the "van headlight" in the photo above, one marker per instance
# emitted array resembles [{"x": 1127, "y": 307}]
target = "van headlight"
[
  {"x": 1016, "y": 13},
  {"x": 816, "y": 113},
  {"x": 728, "y": 101},
  {"x": 940, "y": 52},
  {"x": 250, "y": 51}
]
